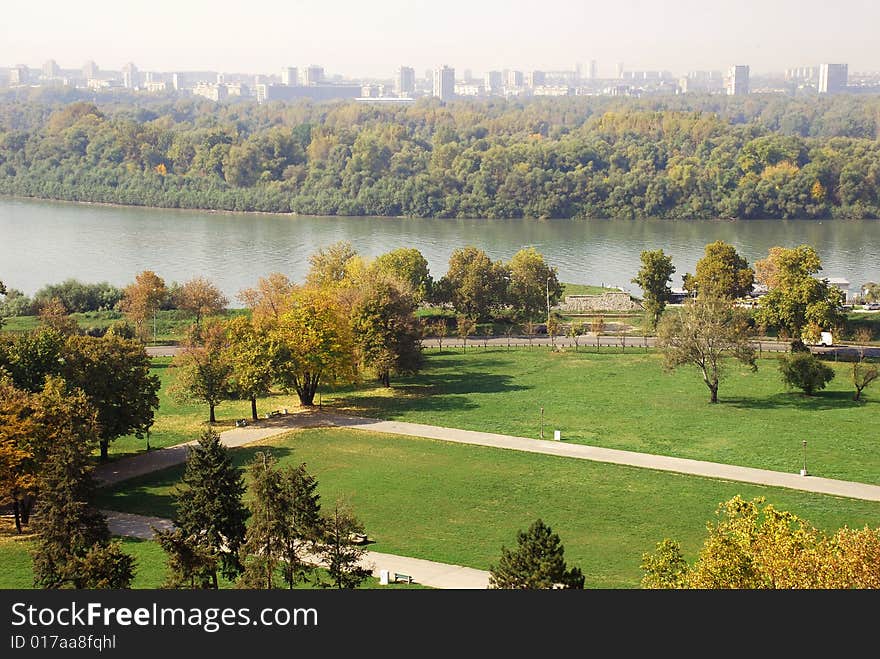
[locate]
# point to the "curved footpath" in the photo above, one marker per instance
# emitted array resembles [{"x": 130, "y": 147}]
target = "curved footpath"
[{"x": 429, "y": 573}]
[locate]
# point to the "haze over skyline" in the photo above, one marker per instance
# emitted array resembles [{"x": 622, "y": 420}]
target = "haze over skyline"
[{"x": 371, "y": 39}]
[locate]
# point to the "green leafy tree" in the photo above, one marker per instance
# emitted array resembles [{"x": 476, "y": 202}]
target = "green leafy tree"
[
  {"x": 473, "y": 284},
  {"x": 204, "y": 372},
  {"x": 339, "y": 552},
  {"x": 408, "y": 266},
  {"x": 721, "y": 273},
  {"x": 114, "y": 373},
  {"x": 385, "y": 330},
  {"x": 805, "y": 371},
  {"x": 249, "y": 353},
  {"x": 538, "y": 562},
  {"x": 704, "y": 333},
  {"x": 209, "y": 503},
  {"x": 31, "y": 357},
  {"x": 531, "y": 282},
  {"x": 654, "y": 278}
]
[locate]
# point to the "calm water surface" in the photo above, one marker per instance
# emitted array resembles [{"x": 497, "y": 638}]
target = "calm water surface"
[{"x": 46, "y": 242}]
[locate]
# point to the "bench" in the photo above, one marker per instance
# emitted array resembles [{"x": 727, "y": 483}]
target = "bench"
[
  {"x": 273, "y": 413},
  {"x": 402, "y": 578},
  {"x": 240, "y": 423}
]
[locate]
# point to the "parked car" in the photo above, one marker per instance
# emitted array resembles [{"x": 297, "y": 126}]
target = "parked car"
[{"x": 872, "y": 306}]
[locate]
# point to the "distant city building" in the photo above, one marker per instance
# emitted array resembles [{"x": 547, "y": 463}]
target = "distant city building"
[
  {"x": 90, "y": 70},
  {"x": 175, "y": 81},
  {"x": 535, "y": 79},
  {"x": 211, "y": 90},
  {"x": 802, "y": 74},
  {"x": 289, "y": 76},
  {"x": 468, "y": 89},
  {"x": 267, "y": 92},
  {"x": 101, "y": 84},
  {"x": 552, "y": 90},
  {"x": 444, "y": 83},
  {"x": 514, "y": 78},
  {"x": 594, "y": 70},
  {"x": 221, "y": 78},
  {"x": 493, "y": 82},
  {"x": 405, "y": 81},
  {"x": 155, "y": 85},
  {"x": 51, "y": 69},
  {"x": 738, "y": 80},
  {"x": 313, "y": 75},
  {"x": 833, "y": 78},
  {"x": 19, "y": 75},
  {"x": 468, "y": 75},
  {"x": 620, "y": 70},
  {"x": 130, "y": 78}
]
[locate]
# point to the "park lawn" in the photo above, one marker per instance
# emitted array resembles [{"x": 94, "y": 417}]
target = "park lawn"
[
  {"x": 177, "y": 422},
  {"x": 627, "y": 401},
  {"x": 459, "y": 504},
  {"x": 584, "y": 289}
]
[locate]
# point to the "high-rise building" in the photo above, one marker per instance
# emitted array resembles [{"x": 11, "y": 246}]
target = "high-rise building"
[
  {"x": 620, "y": 70},
  {"x": 313, "y": 75},
  {"x": 738, "y": 80},
  {"x": 833, "y": 78},
  {"x": 594, "y": 69},
  {"x": 289, "y": 76},
  {"x": 130, "y": 76},
  {"x": 51, "y": 69},
  {"x": 405, "y": 81},
  {"x": 535, "y": 79},
  {"x": 444, "y": 83},
  {"x": 175, "y": 81},
  {"x": 90, "y": 70},
  {"x": 493, "y": 82},
  {"x": 19, "y": 75},
  {"x": 514, "y": 78}
]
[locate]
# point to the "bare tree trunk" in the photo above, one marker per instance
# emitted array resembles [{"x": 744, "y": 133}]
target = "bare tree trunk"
[
  {"x": 254, "y": 408},
  {"x": 211, "y": 417}
]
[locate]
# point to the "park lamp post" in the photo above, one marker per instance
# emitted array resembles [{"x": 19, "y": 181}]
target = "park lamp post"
[
  {"x": 548, "y": 303},
  {"x": 804, "y": 470}
]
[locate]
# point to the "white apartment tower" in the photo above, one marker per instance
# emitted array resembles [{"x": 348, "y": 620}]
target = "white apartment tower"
[
  {"x": 833, "y": 78},
  {"x": 444, "y": 83},
  {"x": 738, "y": 80},
  {"x": 289, "y": 76},
  {"x": 405, "y": 81}
]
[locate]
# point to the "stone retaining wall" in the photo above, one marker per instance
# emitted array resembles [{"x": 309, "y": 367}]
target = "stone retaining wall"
[{"x": 621, "y": 301}]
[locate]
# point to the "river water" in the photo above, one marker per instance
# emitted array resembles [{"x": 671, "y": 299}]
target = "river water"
[{"x": 47, "y": 242}]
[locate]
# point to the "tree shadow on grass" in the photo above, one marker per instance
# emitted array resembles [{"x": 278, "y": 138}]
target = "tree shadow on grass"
[
  {"x": 437, "y": 392},
  {"x": 795, "y": 400}
]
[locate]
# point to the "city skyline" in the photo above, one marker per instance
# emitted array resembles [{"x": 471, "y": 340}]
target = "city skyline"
[{"x": 372, "y": 40}]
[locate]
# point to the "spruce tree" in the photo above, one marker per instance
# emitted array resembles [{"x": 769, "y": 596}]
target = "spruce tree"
[
  {"x": 303, "y": 527},
  {"x": 537, "y": 563},
  {"x": 209, "y": 503},
  {"x": 341, "y": 556},
  {"x": 190, "y": 564}
]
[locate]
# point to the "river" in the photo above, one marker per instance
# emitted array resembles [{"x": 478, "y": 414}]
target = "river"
[{"x": 47, "y": 242}]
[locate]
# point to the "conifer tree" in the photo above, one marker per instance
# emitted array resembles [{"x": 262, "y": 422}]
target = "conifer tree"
[
  {"x": 342, "y": 557},
  {"x": 209, "y": 504},
  {"x": 190, "y": 564},
  {"x": 537, "y": 563}
]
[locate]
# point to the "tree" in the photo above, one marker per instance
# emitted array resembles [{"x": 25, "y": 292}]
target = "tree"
[
  {"x": 805, "y": 371},
  {"x": 465, "y": 327},
  {"x": 190, "y": 563},
  {"x": 73, "y": 547},
  {"x": 328, "y": 265},
  {"x": 249, "y": 353},
  {"x": 285, "y": 523},
  {"x": 19, "y": 439},
  {"x": 439, "y": 329},
  {"x": 473, "y": 284},
  {"x": 574, "y": 331},
  {"x": 142, "y": 299},
  {"x": 863, "y": 374},
  {"x": 385, "y": 330},
  {"x": 209, "y": 503},
  {"x": 54, "y": 315},
  {"x": 200, "y": 297},
  {"x": 114, "y": 373},
  {"x": 537, "y": 563},
  {"x": 654, "y": 277},
  {"x": 270, "y": 298},
  {"x": 314, "y": 344},
  {"x": 721, "y": 273},
  {"x": 408, "y": 266},
  {"x": 872, "y": 292},
  {"x": 204, "y": 370},
  {"x": 531, "y": 282},
  {"x": 703, "y": 333},
  {"x": 796, "y": 300},
  {"x": 756, "y": 546},
  {"x": 340, "y": 554}
]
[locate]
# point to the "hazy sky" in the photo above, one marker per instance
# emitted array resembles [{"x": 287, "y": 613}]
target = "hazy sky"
[{"x": 373, "y": 37}]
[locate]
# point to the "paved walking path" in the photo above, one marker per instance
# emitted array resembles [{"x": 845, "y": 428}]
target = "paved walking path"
[
  {"x": 160, "y": 458},
  {"x": 427, "y": 573}
]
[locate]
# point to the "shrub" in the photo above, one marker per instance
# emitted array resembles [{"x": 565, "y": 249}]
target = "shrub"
[{"x": 805, "y": 371}]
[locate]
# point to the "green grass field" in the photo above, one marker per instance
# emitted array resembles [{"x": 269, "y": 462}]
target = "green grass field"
[
  {"x": 460, "y": 504},
  {"x": 627, "y": 401}
]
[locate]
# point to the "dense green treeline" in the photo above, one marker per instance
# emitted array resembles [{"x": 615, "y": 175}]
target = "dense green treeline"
[{"x": 762, "y": 156}]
